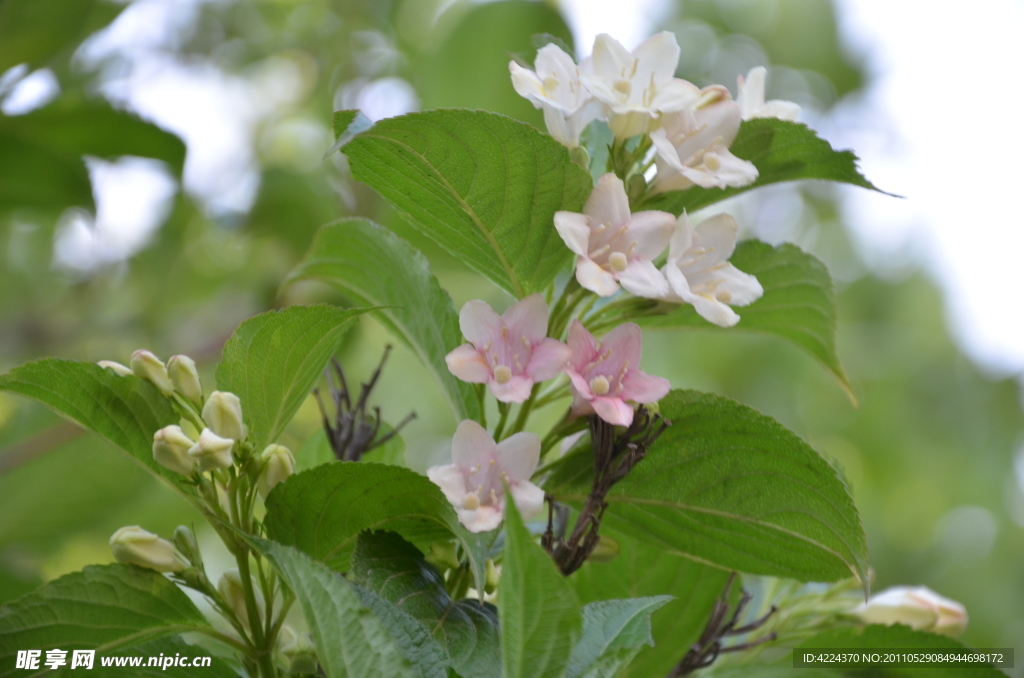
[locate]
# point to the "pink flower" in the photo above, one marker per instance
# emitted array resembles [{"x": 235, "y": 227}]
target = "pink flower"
[
  {"x": 475, "y": 482},
  {"x": 605, "y": 375},
  {"x": 510, "y": 352},
  {"x": 615, "y": 246}
]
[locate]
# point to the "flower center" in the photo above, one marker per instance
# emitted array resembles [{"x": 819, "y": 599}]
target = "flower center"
[
  {"x": 502, "y": 374},
  {"x": 623, "y": 86},
  {"x": 599, "y": 385},
  {"x": 471, "y": 502},
  {"x": 712, "y": 162},
  {"x": 618, "y": 261},
  {"x": 550, "y": 83}
]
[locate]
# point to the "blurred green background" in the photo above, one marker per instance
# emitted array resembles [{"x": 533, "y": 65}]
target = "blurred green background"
[{"x": 250, "y": 86}]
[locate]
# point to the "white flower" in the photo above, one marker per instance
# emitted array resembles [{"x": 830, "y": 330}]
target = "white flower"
[
  {"x": 475, "y": 482},
  {"x": 693, "y": 149},
  {"x": 555, "y": 87},
  {"x": 211, "y": 451},
  {"x": 119, "y": 369},
  {"x": 750, "y": 98},
  {"x": 170, "y": 450},
  {"x": 185, "y": 378},
  {"x": 699, "y": 273},
  {"x": 637, "y": 87},
  {"x": 918, "y": 607},
  {"x": 133, "y": 545},
  {"x": 613, "y": 245}
]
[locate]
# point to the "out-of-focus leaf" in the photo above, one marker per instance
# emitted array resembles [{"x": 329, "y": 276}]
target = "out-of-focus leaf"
[
  {"x": 468, "y": 67},
  {"x": 127, "y": 411},
  {"x": 273, "y": 360},
  {"x": 730, "y": 486},
  {"x": 374, "y": 267},
  {"x": 350, "y": 640},
  {"x": 781, "y": 151},
  {"x": 169, "y": 647},
  {"x": 799, "y": 302},
  {"x": 31, "y": 32},
  {"x": 482, "y": 185},
  {"x": 613, "y": 632},
  {"x": 322, "y": 511},
  {"x": 540, "y": 617},
  {"x": 644, "y": 570},
  {"x": 395, "y": 570},
  {"x": 104, "y": 607}
]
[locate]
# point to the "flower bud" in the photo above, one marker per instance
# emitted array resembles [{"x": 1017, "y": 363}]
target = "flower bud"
[
  {"x": 223, "y": 414},
  {"x": 231, "y": 589},
  {"x": 185, "y": 541},
  {"x": 118, "y": 368},
  {"x": 147, "y": 366},
  {"x": 212, "y": 451},
  {"x": 133, "y": 545},
  {"x": 170, "y": 450},
  {"x": 300, "y": 651},
  {"x": 918, "y": 607},
  {"x": 185, "y": 378},
  {"x": 492, "y": 575},
  {"x": 443, "y": 556},
  {"x": 277, "y": 464}
]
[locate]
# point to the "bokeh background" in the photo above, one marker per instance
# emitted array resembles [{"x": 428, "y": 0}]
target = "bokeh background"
[{"x": 162, "y": 169}]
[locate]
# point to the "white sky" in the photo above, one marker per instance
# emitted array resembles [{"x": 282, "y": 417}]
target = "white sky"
[{"x": 939, "y": 125}]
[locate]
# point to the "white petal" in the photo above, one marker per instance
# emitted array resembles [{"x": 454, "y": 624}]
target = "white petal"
[
  {"x": 682, "y": 238},
  {"x": 643, "y": 279},
  {"x": 560, "y": 128},
  {"x": 594, "y": 278},
  {"x": 574, "y": 228},
  {"x": 466, "y": 363},
  {"x": 713, "y": 310},
  {"x": 483, "y": 519},
  {"x": 519, "y": 454},
  {"x": 610, "y": 59},
  {"x": 741, "y": 287},
  {"x": 608, "y": 202},
  {"x": 651, "y": 230},
  {"x": 528, "y": 497},
  {"x": 718, "y": 234},
  {"x": 451, "y": 481},
  {"x": 526, "y": 83},
  {"x": 472, "y": 445},
  {"x": 657, "y": 56},
  {"x": 783, "y": 110},
  {"x": 665, "y": 149},
  {"x": 629, "y": 123},
  {"x": 675, "y": 95}
]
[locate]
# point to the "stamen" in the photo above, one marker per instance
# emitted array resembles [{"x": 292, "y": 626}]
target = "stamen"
[
  {"x": 623, "y": 87},
  {"x": 712, "y": 162},
  {"x": 550, "y": 83},
  {"x": 599, "y": 251},
  {"x": 502, "y": 373},
  {"x": 618, "y": 261},
  {"x": 494, "y": 498},
  {"x": 526, "y": 343},
  {"x": 504, "y": 331},
  {"x": 599, "y": 385},
  {"x": 471, "y": 502}
]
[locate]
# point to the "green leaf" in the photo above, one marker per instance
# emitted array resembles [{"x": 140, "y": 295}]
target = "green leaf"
[
  {"x": 127, "y": 410},
  {"x": 613, "y": 632},
  {"x": 481, "y": 185},
  {"x": 322, "y": 511},
  {"x": 540, "y": 617},
  {"x": 781, "y": 151},
  {"x": 347, "y": 124},
  {"x": 878, "y": 638},
  {"x": 644, "y": 570},
  {"x": 374, "y": 267},
  {"x": 799, "y": 303},
  {"x": 273, "y": 360},
  {"x": 730, "y": 486},
  {"x": 350, "y": 640},
  {"x": 395, "y": 570},
  {"x": 103, "y": 608}
]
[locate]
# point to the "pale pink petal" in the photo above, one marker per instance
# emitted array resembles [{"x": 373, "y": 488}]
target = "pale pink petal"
[
  {"x": 658, "y": 56},
  {"x": 608, "y": 202},
  {"x": 613, "y": 410},
  {"x": 718, "y": 234},
  {"x": 580, "y": 406},
  {"x": 624, "y": 342},
  {"x": 574, "y": 229},
  {"x": 712, "y": 310},
  {"x": 582, "y": 344},
  {"x": 643, "y": 279},
  {"x": 472, "y": 445},
  {"x": 528, "y": 497},
  {"x": 665, "y": 149},
  {"x": 479, "y": 323},
  {"x": 451, "y": 481},
  {"x": 515, "y": 390},
  {"x": 682, "y": 239},
  {"x": 594, "y": 278},
  {"x": 610, "y": 59},
  {"x": 783, "y": 110},
  {"x": 519, "y": 454},
  {"x": 644, "y": 388},
  {"x": 466, "y": 363},
  {"x": 483, "y": 519},
  {"x": 680, "y": 287},
  {"x": 651, "y": 230},
  {"x": 731, "y": 171},
  {"x": 528, "y": 318},
  {"x": 736, "y": 287},
  {"x": 579, "y": 384},
  {"x": 548, "y": 359}
]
